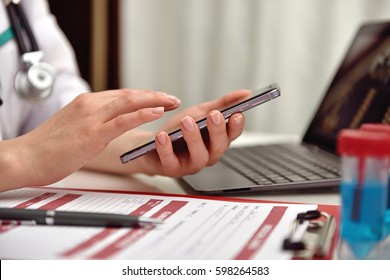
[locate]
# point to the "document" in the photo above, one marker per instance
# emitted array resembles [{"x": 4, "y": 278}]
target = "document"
[{"x": 194, "y": 227}]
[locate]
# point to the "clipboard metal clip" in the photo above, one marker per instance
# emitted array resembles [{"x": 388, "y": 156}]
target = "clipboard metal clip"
[{"x": 318, "y": 230}]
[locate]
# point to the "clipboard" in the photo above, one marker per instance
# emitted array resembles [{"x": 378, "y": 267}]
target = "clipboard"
[
  {"x": 246, "y": 250},
  {"x": 325, "y": 252},
  {"x": 319, "y": 241}
]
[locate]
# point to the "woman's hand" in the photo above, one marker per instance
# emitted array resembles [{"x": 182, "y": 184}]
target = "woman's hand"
[
  {"x": 197, "y": 153},
  {"x": 77, "y": 133}
]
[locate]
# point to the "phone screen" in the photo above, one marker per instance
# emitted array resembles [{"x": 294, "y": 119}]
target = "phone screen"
[{"x": 259, "y": 96}]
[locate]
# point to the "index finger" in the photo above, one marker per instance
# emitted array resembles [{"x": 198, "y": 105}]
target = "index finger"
[{"x": 131, "y": 101}]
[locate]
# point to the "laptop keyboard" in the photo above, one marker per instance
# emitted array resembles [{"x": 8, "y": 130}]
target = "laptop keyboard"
[{"x": 278, "y": 164}]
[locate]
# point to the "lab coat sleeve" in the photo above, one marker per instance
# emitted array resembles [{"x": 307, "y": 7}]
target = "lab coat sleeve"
[{"x": 59, "y": 53}]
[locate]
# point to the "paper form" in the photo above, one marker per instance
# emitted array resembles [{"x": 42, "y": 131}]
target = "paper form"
[{"x": 194, "y": 228}]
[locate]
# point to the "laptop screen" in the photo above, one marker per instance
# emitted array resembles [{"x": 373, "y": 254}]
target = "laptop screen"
[{"x": 359, "y": 92}]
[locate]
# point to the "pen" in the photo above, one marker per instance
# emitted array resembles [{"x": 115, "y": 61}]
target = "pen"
[{"x": 69, "y": 218}]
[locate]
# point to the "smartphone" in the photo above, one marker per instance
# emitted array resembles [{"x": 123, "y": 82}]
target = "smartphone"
[{"x": 260, "y": 96}]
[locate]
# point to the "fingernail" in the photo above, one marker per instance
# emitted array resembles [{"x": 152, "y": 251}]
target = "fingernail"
[
  {"x": 215, "y": 117},
  {"x": 158, "y": 110},
  {"x": 174, "y": 99},
  {"x": 188, "y": 123},
  {"x": 161, "y": 138},
  {"x": 238, "y": 120},
  {"x": 170, "y": 97}
]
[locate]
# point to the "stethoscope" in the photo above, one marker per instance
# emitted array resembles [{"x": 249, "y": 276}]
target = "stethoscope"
[{"x": 34, "y": 82}]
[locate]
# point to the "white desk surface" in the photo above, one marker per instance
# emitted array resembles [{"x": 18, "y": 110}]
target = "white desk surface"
[{"x": 159, "y": 184}]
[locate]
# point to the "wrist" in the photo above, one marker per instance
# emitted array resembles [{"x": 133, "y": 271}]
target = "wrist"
[{"x": 14, "y": 174}]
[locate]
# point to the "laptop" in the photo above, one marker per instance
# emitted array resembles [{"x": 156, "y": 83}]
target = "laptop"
[{"x": 359, "y": 93}]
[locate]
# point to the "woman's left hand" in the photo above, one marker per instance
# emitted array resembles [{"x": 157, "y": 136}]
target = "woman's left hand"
[{"x": 198, "y": 152}]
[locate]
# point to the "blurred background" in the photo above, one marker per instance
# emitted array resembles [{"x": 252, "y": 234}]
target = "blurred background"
[{"x": 201, "y": 49}]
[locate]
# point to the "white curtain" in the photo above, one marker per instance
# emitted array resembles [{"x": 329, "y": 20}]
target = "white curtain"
[{"x": 200, "y": 49}]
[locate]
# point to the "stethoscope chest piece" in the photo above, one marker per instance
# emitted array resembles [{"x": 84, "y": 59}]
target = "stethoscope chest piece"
[{"x": 35, "y": 81}]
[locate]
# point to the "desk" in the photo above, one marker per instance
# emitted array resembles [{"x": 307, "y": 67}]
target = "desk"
[{"x": 159, "y": 184}]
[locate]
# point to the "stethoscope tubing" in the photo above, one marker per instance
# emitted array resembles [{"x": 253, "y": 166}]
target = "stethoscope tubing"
[{"x": 19, "y": 22}]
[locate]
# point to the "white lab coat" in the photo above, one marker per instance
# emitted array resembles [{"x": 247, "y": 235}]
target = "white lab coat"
[{"x": 18, "y": 116}]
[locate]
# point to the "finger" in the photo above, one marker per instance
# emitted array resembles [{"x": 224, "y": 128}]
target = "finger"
[
  {"x": 199, "y": 155},
  {"x": 219, "y": 140},
  {"x": 172, "y": 97},
  {"x": 131, "y": 102},
  {"x": 125, "y": 122},
  {"x": 235, "y": 126},
  {"x": 117, "y": 92},
  {"x": 168, "y": 158}
]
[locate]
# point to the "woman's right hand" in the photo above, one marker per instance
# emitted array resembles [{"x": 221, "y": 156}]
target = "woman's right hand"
[{"x": 77, "y": 133}]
